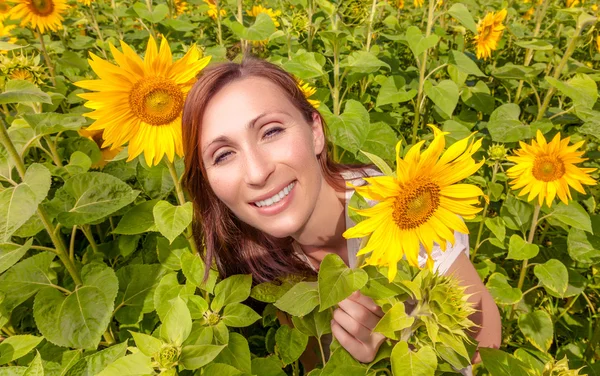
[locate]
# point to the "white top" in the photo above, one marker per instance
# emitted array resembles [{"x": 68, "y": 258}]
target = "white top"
[{"x": 442, "y": 259}]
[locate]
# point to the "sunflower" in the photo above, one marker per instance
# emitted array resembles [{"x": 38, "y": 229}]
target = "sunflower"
[
  {"x": 598, "y": 42},
  {"x": 422, "y": 204},
  {"x": 40, "y": 14},
  {"x": 212, "y": 9},
  {"x": 572, "y": 3},
  {"x": 530, "y": 12},
  {"x": 181, "y": 6},
  {"x": 4, "y": 10},
  {"x": 489, "y": 32},
  {"x": 400, "y": 4},
  {"x": 418, "y": 3},
  {"x": 547, "y": 169},
  {"x": 107, "y": 153},
  {"x": 258, "y": 9},
  {"x": 85, "y": 2},
  {"x": 5, "y": 35},
  {"x": 308, "y": 91},
  {"x": 140, "y": 101}
]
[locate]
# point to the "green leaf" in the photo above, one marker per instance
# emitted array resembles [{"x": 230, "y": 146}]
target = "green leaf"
[
  {"x": 10, "y": 253},
  {"x": 137, "y": 284},
  {"x": 12, "y": 348},
  {"x": 86, "y": 198},
  {"x": 168, "y": 289},
  {"x": 17, "y": 205},
  {"x": 79, "y": 319},
  {"x": 147, "y": 344},
  {"x": 171, "y": 220},
  {"x": 337, "y": 281},
  {"x": 35, "y": 368},
  {"x": 137, "y": 220},
  {"x": 196, "y": 356},
  {"x": 305, "y": 65},
  {"x": 444, "y": 95},
  {"x": 503, "y": 293},
  {"x": 516, "y": 213},
  {"x": 519, "y": 249},
  {"x": 380, "y": 163},
  {"x": 24, "y": 280},
  {"x": 270, "y": 292},
  {"x": 129, "y": 365},
  {"x": 364, "y": 62},
  {"x": 537, "y": 327},
  {"x": 58, "y": 360},
  {"x": 38, "y": 178},
  {"x": 315, "y": 324},
  {"x": 261, "y": 29},
  {"x": 342, "y": 363},
  {"x": 409, "y": 363},
  {"x": 52, "y": 122},
  {"x": 553, "y": 275},
  {"x": 392, "y": 91},
  {"x": 497, "y": 227},
  {"x": 535, "y": 44},
  {"x": 193, "y": 268},
  {"x": 170, "y": 255},
  {"x": 238, "y": 315},
  {"x": 93, "y": 364},
  {"x": 176, "y": 322},
  {"x": 504, "y": 124},
  {"x": 300, "y": 299},
  {"x": 573, "y": 215},
  {"x": 583, "y": 247},
  {"x": 234, "y": 289},
  {"x": 464, "y": 63},
  {"x": 290, "y": 343},
  {"x": 581, "y": 88},
  {"x": 394, "y": 319},
  {"x": 269, "y": 366},
  {"x": 223, "y": 370},
  {"x": 418, "y": 43},
  {"x": 20, "y": 91},
  {"x": 155, "y": 15},
  {"x": 236, "y": 353},
  {"x": 499, "y": 363},
  {"x": 461, "y": 13},
  {"x": 156, "y": 181}
]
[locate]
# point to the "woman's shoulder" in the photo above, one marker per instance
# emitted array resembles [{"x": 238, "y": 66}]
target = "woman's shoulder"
[{"x": 356, "y": 176}]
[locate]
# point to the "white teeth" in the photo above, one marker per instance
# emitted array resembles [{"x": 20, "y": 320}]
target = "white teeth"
[{"x": 276, "y": 197}]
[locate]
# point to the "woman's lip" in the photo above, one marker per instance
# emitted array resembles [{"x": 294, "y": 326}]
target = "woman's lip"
[
  {"x": 277, "y": 207},
  {"x": 271, "y": 194}
]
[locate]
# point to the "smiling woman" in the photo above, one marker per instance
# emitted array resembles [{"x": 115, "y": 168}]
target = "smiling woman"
[{"x": 270, "y": 202}]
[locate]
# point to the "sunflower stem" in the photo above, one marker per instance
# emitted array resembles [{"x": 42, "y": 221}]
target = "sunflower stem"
[
  {"x": 484, "y": 214},
  {"x": 370, "y": 25},
  {"x": 46, "y": 57},
  {"x": 90, "y": 237},
  {"x": 219, "y": 31},
  {"x": 309, "y": 28},
  {"x": 181, "y": 200},
  {"x": 422, "y": 69},
  {"x": 240, "y": 19},
  {"x": 322, "y": 352},
  {"x": 97, "y": 29},
  {"x": 56, "y": 238}
]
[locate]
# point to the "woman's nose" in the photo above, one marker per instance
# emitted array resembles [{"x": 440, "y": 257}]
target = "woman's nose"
[{"x": 259, "y": 167}]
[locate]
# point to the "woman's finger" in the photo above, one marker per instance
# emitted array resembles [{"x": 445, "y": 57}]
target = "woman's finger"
[
  {"x": 352, "y": 326},
  {"x": 360, "y": 313},
  {"x": 366, "y": 302},
  {"x": 351, "y": 344}
]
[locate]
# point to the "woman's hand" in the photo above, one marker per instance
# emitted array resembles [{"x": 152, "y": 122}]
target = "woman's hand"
[{"x": 353, "y": 324}]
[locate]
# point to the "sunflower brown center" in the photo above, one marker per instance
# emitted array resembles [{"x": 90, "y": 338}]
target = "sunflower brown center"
[
  {"x": 4, "y": 8},
  {"x": 41, "y": 7},
  {"x": 416, "y": 204},
  {"x": 156, "y": 101},
  {"x": 547, "y": 168}
]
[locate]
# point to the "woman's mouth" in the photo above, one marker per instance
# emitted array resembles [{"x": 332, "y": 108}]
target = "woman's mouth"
[
  {"x": 278, "y": 202},
  {"x": 276, "y": 197}
]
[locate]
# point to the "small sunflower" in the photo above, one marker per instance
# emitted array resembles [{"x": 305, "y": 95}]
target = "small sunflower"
[
  {"x": 546, "y": 170},
  {"x": 572, "y": 3},
  {"x": 4, "y": 10},
  {"x": 212, "y": 9},
  {"x": 87, "y": 3},
  {"x": 40, "y": 14},
  {"x": 400, "y": 4},
  {"x": 140, "y": 101},
  {"x": 308, "y": 91},
  {"x": 421, "y": 204},
  {"x": 22, "y": 67},
  {"x": 489, "y": 32},
  {"x": 107, "y": 153},
  {"x": 258, "y": 9},
  {"x": 418, "y": 3},
  {"x": 5, "y": 35},
  {"x": 181, "y": 6},
  {"x": 530, "y": 12}
]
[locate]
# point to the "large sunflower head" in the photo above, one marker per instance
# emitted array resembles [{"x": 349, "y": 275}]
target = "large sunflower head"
[
  {"x": 140, "y": 101},
  {"x": 421, "y": 205},
  {"x": 40, "y": 14},
  {"x": 489, "y": 32},
  {"x": 547, "y": 170}
]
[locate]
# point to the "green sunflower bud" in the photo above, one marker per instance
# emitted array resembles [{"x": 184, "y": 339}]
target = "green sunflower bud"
[
  {"x": 497, "y": 152},
  {"x": 559, "y": 368},
  {"x": 168, "y": 356},
  {"x": 212, "y": 318},
  {"x": 355, "y": 12},
  {"x": 22, "y": 67}
]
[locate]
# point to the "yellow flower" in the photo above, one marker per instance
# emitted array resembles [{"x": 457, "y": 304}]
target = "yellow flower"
[
  {"x": 598, "y": 42},
  {"x": 400, "y": 4},
  {"x": 308, "y": 91},
  {"x": 489, "y": 32},
  {"x": 418, "y": 3},
  {"x": 546, "y": 170},
  {"x": 85, "y": 2},
  {"x": 4, "y": 10},
  {"x": 572, "y": 3},
  {"x": 594, "y": 7},
  {"x": 527, "y": 16},
  {"x": 422, "y": 204},
  {"x": 5, "y": 35},
  {"x": 181, "y": 6},
  {"x": 107, "y": 153},
  {"x": 258, "y": 9},
  {"x": 40, "y": 14},
  {"x": 212, "y": 9},
  {"x": 140, "y": 101}
]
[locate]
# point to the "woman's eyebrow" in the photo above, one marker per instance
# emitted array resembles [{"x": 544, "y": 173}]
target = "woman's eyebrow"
[{"x": 249, "y": 125}]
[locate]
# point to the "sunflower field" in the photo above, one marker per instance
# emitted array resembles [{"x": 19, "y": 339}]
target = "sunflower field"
[{"x": 99, "y": 273}]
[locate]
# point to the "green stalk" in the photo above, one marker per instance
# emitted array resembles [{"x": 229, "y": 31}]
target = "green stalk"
[
  {"x": 219, "y": 31},
  {"x": 240, "y": 19},
  {"x": 422, "y": 68},
  {"x": 90, "y": 237},
  {"x": 309, "y": 15},
  {"x": 557, "y": 72},
  {"x": 57, "y": 240},
  {"x": 181, "y": 200},
  {"x": 370, "y": 26},
  {"x": 97, "y": 29},
  {"x": 46, "y": 57},
  {"x": 484, "y": 214}
]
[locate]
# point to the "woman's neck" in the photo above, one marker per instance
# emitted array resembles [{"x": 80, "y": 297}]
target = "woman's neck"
[{"x": 322, "y": 234}]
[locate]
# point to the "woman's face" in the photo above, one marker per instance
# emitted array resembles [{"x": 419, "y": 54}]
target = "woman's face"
[{"x": 260, "y": 156}]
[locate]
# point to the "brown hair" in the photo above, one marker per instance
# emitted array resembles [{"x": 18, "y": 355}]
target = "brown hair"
[{"x": 237, "y": 247}]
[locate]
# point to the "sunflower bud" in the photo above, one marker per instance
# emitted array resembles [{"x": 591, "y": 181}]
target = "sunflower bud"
[
  {"x": 497, "y": 152},
  {"x": 559, "y": 368},
  {"x": 22, "y": 67},
  {"x": 212, "y": 318},
  {"x": 168, "y": 356}
]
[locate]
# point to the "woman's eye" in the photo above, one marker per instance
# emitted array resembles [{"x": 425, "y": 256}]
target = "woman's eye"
[
  {"x": 221, "y": 157},
  {"x": 272, "y": 132}
]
